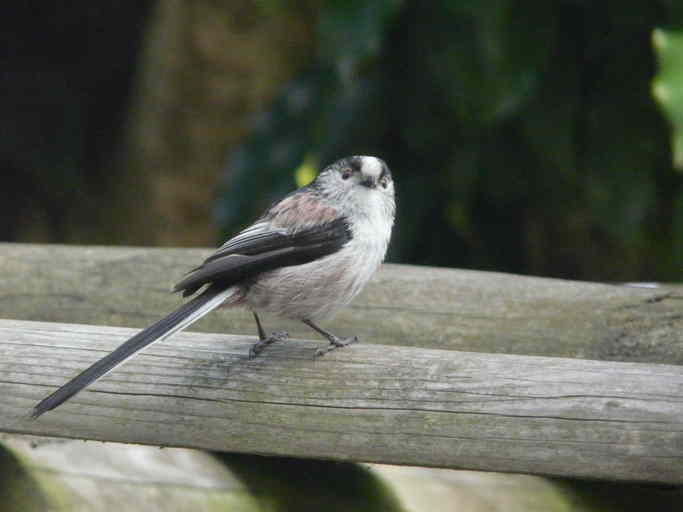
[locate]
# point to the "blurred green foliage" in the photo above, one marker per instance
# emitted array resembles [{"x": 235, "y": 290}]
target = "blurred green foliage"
[
  {"x": 668, "y": 89},
  {"x": 523, "y": 134},
  {"x": 668, "y": 85}
]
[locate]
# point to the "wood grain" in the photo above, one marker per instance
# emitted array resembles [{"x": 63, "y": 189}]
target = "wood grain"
[
  {"x": 404, "y": 305},
  {"x": 397, "y": 405}
]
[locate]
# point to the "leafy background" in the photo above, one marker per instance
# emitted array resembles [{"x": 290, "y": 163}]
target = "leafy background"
[{"x": 537, "y": 137}]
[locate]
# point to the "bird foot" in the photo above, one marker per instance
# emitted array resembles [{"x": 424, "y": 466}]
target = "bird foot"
[
  {"x": 258, "y": 347},
  {"x": 336, "y": 343}
]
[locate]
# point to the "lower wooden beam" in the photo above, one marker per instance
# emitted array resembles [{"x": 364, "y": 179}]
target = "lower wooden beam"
[{"x": 66, "y": 475}]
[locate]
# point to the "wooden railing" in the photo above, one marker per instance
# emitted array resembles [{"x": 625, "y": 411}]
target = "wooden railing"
[{"x": 605, "y": 402}]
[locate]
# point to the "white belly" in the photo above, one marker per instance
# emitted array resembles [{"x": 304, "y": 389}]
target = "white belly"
[{"x": 317, "y": 289}]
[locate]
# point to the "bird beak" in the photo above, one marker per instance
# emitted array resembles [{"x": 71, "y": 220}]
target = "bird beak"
[
  {"x": 371, "y": 169},
  {"x": 369, "y": 181}
]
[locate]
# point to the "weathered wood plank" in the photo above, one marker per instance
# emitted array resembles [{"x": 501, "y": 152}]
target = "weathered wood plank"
[
  {"x": 404, "y": 305},
  {"x": 445, "y": 490},
  {"x": 552, "y": 416}
]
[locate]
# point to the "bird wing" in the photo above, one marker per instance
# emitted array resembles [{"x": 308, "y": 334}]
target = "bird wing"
[{"x": 297, "y": 230}]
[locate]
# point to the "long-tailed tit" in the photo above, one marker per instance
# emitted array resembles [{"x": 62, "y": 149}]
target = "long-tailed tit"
[{"x": 305, "y": 258}]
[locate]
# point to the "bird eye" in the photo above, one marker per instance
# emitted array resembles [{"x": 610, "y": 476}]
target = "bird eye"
[
  {"x": 384, "y": 182},
  {"x": 346, "y": 173}
]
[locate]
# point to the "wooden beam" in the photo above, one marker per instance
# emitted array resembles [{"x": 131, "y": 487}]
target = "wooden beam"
[
  {"x": 397, "y": 405},
  {"x": 40, "y": 473},
  {"x": 404, "y": 305}
]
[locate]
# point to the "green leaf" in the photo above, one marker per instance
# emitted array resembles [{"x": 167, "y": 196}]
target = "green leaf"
[
  {"x": 306, "y": 172},
  {"x": 667, "y": 87}
]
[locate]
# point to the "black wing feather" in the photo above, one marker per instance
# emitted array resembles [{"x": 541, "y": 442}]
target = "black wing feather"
[{"x": 267, "y": 251}]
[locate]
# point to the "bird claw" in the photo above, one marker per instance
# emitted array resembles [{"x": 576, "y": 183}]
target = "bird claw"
[
  {"x": 258, "y": 347},
  {"x": 335, "y": 344}
]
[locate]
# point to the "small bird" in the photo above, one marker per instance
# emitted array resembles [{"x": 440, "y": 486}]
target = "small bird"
[{"x": 307, "y": 256}]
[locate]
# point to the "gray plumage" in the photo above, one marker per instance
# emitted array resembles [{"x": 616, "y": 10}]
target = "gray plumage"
[{"x": 307, "y": 256}]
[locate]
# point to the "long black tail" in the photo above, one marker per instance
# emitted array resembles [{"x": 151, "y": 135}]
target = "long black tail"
[{"x": 181, "y": 318}]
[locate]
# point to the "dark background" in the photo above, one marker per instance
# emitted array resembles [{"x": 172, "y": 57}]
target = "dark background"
[{"x": 523, "y": 135}]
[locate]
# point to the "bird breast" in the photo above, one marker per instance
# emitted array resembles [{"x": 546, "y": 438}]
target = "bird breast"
[{"x": 317, "y": 289}]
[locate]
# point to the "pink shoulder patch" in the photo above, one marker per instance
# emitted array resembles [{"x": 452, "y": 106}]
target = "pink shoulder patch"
[{"x": 301, "y": 210}]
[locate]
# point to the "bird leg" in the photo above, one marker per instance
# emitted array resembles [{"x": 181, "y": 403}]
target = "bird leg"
[
  {"x": 335, "y": 341},
  {"x": 264, "y": 340}
]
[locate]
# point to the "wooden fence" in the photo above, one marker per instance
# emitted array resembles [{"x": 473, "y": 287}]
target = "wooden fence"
[{"x": 605, "y": 400}]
